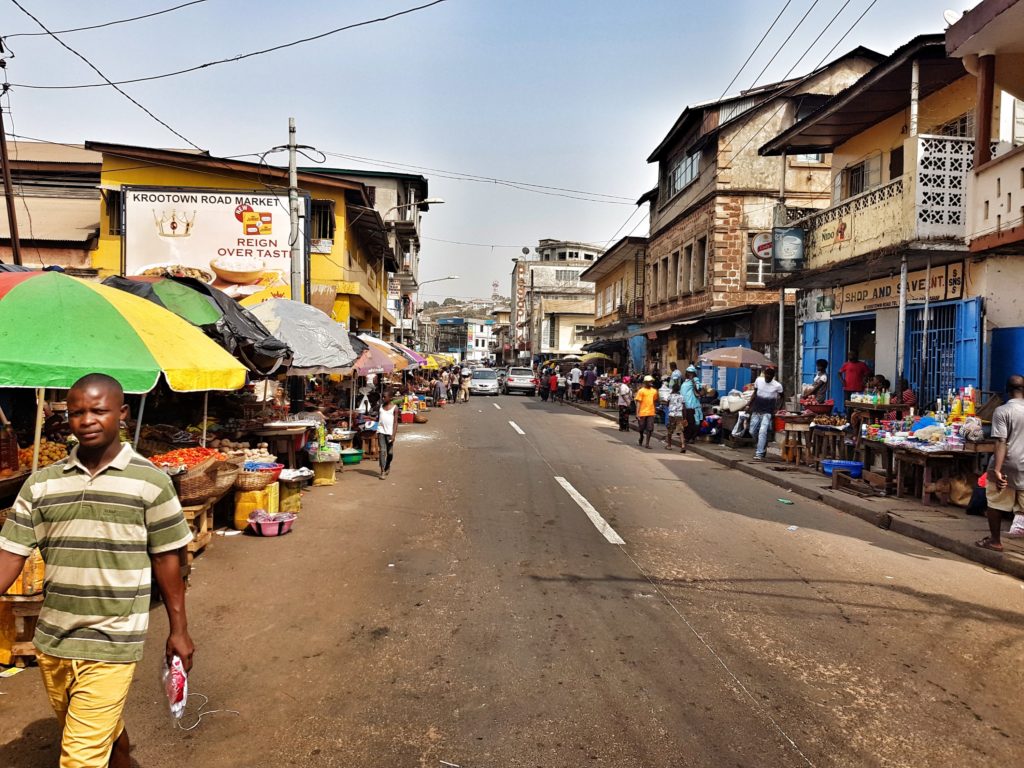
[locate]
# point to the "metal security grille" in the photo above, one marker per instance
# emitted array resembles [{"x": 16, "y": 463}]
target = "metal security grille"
[{"x": 932, "y": 375}]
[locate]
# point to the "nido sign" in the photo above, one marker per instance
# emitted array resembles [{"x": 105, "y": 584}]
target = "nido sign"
[{"x": 945, "y": 282}]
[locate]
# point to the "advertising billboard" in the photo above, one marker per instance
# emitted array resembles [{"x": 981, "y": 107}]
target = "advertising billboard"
[
  {"x": 237, "y": 241},
  {"x": 788, "y": 249}
]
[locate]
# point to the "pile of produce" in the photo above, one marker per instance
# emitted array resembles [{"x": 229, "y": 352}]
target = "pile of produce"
[
  {"x": 830, "y": 421},
  {"x": 49, "y": 453},
  {"x": 259, "y": 453},
  {"x": 185, "y": 457}
]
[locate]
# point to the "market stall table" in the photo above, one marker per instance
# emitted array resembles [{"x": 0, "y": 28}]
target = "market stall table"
[
  {"x": 287, "y": 434},
  {"x": 25, "y": 609},
  {"x": 827, "y": 443},
  {"x": 868, "y": 449},
  {"x": 923, "y": 468}
]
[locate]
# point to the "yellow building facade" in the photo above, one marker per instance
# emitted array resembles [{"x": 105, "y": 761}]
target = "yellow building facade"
[{"x": 348, "y": 258}]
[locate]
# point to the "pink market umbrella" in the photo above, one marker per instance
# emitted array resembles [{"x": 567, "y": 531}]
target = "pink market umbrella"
[{"x": 373, "y": 360}]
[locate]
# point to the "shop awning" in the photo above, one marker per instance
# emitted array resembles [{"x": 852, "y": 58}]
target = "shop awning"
[
  {"x": 656, "y": 327},
  {"x": 868, "y": 267}
]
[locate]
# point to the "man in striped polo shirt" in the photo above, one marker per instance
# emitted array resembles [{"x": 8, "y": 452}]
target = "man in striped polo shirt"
[{"x": 102, "y": 519}]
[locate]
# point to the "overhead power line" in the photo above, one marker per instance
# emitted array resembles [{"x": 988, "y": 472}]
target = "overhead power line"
[
  {"x": 473, "y": 176},
  {"x": 231, "y": 59},
  {"x": 755, "y": 49},
  {"x": 788, "y": 38},
  {"x": 97, "y": 71},
  {"x": 109, "y": 23}
]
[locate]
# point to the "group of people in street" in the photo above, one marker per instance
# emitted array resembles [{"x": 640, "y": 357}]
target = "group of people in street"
[
  {"x": 451, "y": 384},
  {"x": 683, "y": 406},
  {"x": 576, "y": 385}
]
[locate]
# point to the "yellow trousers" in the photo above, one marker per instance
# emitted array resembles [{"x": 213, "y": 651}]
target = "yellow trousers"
[{"x": 88, "y": 698}]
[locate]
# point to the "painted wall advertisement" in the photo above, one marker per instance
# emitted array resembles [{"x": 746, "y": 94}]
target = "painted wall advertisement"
[
  {"x": 237, "y": 241},
  {"x": 944, "y": 283}
]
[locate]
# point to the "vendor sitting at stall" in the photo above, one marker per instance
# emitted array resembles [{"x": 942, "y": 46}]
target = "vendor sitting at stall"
[
  {"x": 818, "y": 388},
  {"x": 902, "y": 396}
]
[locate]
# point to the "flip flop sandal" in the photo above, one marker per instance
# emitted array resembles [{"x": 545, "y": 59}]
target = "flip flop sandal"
[{"x": 987, "y": 543}]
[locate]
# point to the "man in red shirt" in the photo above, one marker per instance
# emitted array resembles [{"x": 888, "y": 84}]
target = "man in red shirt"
[{"x": 853, "y": 374}]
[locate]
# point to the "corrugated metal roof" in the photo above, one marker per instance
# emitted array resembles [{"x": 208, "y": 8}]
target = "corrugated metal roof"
[
  {"x": 42, "y": 152},
  {"x": 57, "y": 219}
]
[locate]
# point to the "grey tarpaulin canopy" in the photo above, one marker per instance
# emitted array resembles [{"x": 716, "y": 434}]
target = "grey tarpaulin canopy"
[{"x": 318, "y": 344}]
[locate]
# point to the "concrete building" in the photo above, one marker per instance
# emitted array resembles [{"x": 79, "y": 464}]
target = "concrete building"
[
  {"x": 395, "y": 196},
  {"x": 57, "y": 205},
  {"x": 704, "y": 288},
  {"x": 553, "y": 273},
  {"x": 989, "y": 39},
  {"x": 618, "y": 278},
  {"x": 903, "y": 145}
]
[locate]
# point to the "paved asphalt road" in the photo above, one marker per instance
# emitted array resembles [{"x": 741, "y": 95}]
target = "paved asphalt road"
[{"x": 467, "y": 611}]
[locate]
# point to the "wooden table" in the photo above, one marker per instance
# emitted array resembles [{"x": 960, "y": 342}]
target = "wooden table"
[
  {"x": 794, "y": 449},
  {"x": 284, "y": 434},
  {"x": 880, "y": 408},
  {"x": 827, "y": 443},
  {"x": 26, "y": 612},
  {"x": 868, "y": 449}
]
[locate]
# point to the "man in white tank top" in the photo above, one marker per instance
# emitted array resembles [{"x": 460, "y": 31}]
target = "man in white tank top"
[{"x": 387, "y": 430}]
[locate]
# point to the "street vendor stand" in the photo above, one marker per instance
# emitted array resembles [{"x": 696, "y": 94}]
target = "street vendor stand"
[
  {"x": 60, "y": 328},
  {"x": 918, "y": 470}
]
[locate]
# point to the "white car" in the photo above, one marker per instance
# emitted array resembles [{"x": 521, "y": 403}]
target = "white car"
[{"x": 484, "y": 382}]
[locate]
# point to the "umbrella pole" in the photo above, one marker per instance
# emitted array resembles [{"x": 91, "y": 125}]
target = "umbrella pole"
[
  {"x": 206, "y": 403},
  {"x": 138, "y": 421},
  {"x": 40, "y": 398}
]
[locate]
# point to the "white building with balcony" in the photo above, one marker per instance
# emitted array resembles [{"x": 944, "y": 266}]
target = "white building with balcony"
[
  {"x": 989, "y": 39},
  {"x": 902, "y": 140}
]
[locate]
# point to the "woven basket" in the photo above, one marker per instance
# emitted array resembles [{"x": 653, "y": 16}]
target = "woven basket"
[
  {"x": 215, "y": 480},
  {"x": 252, "y": 481}
]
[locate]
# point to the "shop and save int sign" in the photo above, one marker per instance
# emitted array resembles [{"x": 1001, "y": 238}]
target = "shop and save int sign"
[
  {"x": 218, "y": 236},
  {"x": 944, "y": 283}
]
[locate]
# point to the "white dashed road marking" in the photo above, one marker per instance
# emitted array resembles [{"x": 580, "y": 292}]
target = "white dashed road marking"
[
  {"x": 595, "y": 517},
  {"x": 496, "y": 406},
  {"x": 516, "y": 427}
]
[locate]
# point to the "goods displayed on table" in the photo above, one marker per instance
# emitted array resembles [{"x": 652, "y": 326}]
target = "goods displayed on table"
[
  {"x": 49, "y": 453},
  {"x": 186, "y": 458},
  {"x": 947, "y": 428},
  {"x": 833, "y": 422},
  {"x": 235, "y": 450}
]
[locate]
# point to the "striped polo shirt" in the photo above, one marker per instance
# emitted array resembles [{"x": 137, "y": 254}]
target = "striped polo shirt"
[{"x": 96, "y": 535}]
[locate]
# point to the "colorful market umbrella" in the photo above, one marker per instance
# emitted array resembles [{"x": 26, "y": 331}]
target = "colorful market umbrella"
[
  {"x": 398, "y": 361},
  {"x": 54, "y": 329},
  {"x": 372, "y": 360},
  {"x": 592, "y": 357},
  {"x": 183, "y": 301},
  {"x": 414, "y": 357},
  {"x": 735, "y": 357}
]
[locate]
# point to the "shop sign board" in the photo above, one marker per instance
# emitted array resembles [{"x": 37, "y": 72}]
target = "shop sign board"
[
  {"x": 833, "y": 233},
  {"x": 230, "y": 238},
  {"x": 761, "y": 246},
  {"x": 946, "y": 283},
  {"x": 788, "y": 249}
]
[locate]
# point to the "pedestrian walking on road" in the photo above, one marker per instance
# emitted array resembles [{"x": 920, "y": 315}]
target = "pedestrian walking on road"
[
  {"x": 575, "y": 382},
  {"x": 545, "y": 384},
  {"x": 692, "y": 410},
  {"x": 465, "y": 377},
  {"x": 553, "y": 380},
  {"x": 625, "y": 400},
  {"x": 387, "y": 431},
  {"x": 763, "y": 405},
  {"x": 646, "y": 409},
  {"x": 676, "y": 417},
  {"x": 105, "y": 521},
  {"x": 589, "y": 379},
  {"x": 1005, "y": 490}
]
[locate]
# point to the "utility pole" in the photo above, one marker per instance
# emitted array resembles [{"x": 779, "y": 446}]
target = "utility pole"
[
  {"x": 297, "y": 250},
  {"x": 12, "y": 216}
]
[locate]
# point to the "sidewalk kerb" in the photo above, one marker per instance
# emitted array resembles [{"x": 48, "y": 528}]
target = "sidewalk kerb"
[{"x": 877, "y": 517}]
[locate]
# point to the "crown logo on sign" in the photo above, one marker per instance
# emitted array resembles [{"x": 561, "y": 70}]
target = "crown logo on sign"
[{"x": 175, "y": 225}]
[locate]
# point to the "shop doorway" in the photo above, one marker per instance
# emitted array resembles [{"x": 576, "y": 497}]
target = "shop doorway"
[{"x": 860, "y": 340}]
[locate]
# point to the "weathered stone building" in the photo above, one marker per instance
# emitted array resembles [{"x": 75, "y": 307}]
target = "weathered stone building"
[{"x": 704, "y": 288}]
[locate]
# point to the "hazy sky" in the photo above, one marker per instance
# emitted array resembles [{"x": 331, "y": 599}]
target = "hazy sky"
[{"x": 563, "y": 93}]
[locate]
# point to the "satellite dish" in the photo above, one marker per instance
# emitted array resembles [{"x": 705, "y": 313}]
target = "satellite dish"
[
  {"x": 952, "y": 17},
  {"x": 526, "y": 251}
]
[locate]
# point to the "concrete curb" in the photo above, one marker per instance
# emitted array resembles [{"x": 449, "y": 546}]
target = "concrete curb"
[{"x": 850, "y": 506}]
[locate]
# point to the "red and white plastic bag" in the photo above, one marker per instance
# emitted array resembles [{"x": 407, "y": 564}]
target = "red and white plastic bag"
[{"x": 175, "y": 681}]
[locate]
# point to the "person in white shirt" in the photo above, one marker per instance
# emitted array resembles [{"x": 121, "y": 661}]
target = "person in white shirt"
[
  {"x": 763, "y": 405},
  {"x": 574, "y": 381},
  {"x": 387, "y": 431}
]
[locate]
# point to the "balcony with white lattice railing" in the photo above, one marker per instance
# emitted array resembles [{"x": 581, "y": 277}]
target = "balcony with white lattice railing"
[{"x": 924, "y": 207}]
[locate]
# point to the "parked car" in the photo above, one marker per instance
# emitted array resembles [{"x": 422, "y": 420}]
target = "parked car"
[
  {"x": 484, "y": 382},
  {"x": 520, "y": 380}
]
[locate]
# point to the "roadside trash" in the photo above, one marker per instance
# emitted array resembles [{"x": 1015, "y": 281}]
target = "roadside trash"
[
  {"x": 175, "y": 685},
  {"x": 793, "y": 528},
  {"x": 12, "y": 671},
  {"x": 785, "y": 501},
  {"x": 226, "y": 532}
]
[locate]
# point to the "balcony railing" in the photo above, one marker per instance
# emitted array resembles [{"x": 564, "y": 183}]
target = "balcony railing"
[{"x": 926, "y": 204}]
